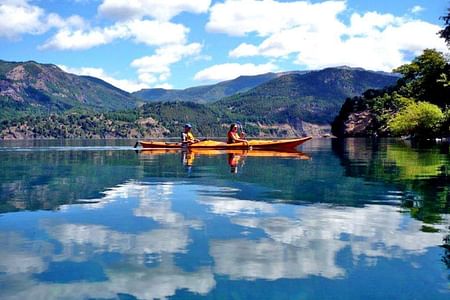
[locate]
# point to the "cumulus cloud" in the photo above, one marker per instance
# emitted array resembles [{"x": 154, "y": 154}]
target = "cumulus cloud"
[
  {"x": 124, "y": 84},
  {"x": 156, "y": 67},
  {"x": 170, "y": 38},
  {"x": 159, "y": 9},
  {"x": 24, "y": 18},
  {"x": 232, "y": 70},
  {"x": 417, "y": 9},
  {"x": 318, "y": 37},
  {"x": 239, "y": 17},
  {"x": 149, "y": 32},
  {"x": 156, "y": 33}
]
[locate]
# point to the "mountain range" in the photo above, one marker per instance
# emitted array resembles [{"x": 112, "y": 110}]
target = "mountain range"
[
  {"x": 272, "y": 104},
  {"x": 30, "y": 87},
  {"x": 314, "y": 96},
  {"x": 209, "y": 93}
]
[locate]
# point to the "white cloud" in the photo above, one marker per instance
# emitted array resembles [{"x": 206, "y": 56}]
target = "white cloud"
[
  {"x": 233, "y": 70},
  {"x": 417, "y": 9},
  {"x": 319, "y": 38},
  {"x": 239, "y": 17},
  {"x": 124, "y": 84},
  {"x": 370, "y": 23},
  {"x": 153, "y": 33},
  {"x": 157, "y": 66},
  {"x": 79, "y": 40},
  {"x": 159, "y": 9},
  {"x": 157, "y": 33},
  {"x": 19, "y": 17}
]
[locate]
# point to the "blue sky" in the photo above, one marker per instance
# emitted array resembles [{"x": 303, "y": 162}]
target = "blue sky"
[{"x": 135, "y": 44}]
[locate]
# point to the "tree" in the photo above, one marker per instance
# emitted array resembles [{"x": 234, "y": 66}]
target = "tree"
[
  {"x": 423, "y": 78},
  {"x": 420, "y": 119},
  {"x": 445, "y": 33}
]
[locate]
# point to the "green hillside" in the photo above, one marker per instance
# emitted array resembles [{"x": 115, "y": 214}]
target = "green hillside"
[
  {"x": 32, "y": 88},
  {"x": 314, "y": 97},
  {"x": 42, "y": 101}
]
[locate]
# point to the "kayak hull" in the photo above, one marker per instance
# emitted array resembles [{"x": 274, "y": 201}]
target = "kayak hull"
[{"x": 211, "y": 144}]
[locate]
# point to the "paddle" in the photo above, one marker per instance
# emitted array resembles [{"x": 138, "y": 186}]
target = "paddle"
[
  {"x": 241, "y": 128},
  {"x": 242, "y": 135}
]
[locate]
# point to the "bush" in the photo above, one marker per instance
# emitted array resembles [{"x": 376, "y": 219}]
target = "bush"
[{"x": 420, "y": 119}]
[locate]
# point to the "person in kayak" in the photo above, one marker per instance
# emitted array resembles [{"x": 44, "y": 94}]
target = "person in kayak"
[
  {"x": 234, "y": 137},
  {"x": 187, "y": 138}
]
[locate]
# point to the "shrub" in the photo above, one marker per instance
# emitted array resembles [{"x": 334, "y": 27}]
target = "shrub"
[{"x": 420, "y": 119}]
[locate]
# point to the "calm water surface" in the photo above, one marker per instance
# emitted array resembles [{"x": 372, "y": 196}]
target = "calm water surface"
[{"x": 351, "y": 219}]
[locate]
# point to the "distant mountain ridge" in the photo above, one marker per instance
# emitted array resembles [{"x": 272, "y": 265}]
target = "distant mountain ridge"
[
  {"x": 33, "y": 87},
  {"x": 205, "y": 93},
  {"x": 273, "y": 104},
  {"x": 215, "y": 92},
  {"x": 314, "y": 97}
]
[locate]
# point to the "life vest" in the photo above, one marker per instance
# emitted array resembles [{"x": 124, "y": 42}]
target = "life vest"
[
  {"x": 187, "y": 136},
  {"x": 232, "y": 136}
]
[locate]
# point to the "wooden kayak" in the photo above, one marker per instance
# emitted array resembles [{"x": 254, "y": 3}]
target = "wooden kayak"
[
  {"x": 240, "y": 152},
  {"x": 211, "y": 144}
]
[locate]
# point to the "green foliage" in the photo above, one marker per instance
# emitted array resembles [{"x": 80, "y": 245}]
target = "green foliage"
[
  {"x": 173, "y": 115},
  {"x": 46, "y": 88},
  {"x": 445, "y": 127},
  {"x": 418, "y": 119},
  {"x": 445, "y": 33},
  {"x": 422, "y": 78},
  {"x": 403, "y": 109},
  {"x": 313, "y": 97}
]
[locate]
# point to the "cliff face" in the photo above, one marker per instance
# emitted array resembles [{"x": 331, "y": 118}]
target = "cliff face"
[{"x": 356, "y": 124}]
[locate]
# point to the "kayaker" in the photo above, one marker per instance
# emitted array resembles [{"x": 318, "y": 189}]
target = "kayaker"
[
  {"x": 187, "y": 137},
  {"x": 234, "y": 137}
]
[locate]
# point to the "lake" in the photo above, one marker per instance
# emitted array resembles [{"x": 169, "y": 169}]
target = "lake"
[{"x": 342, "y": 219}]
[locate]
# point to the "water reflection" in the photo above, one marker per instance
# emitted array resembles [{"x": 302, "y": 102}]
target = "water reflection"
[
  {"x": 175, "y": 222},
  {"x": 422, "y": 173},
  {"x": 308, "y": 242},
  {"x": 234, "y": 157},
  {"x": 139, "y": 263},
  {"x": 326, "y": 224}
]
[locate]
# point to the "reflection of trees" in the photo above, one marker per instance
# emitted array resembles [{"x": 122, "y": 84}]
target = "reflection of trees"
[
  {"x": 34, "y": 180},
  {"x": 47, "y": 179},
  {"x": 422, "y": 173}
]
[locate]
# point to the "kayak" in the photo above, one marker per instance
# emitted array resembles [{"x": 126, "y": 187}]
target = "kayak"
[
  {"x": 211, "y": 144},
  {"x": 239, "y": 152}
]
